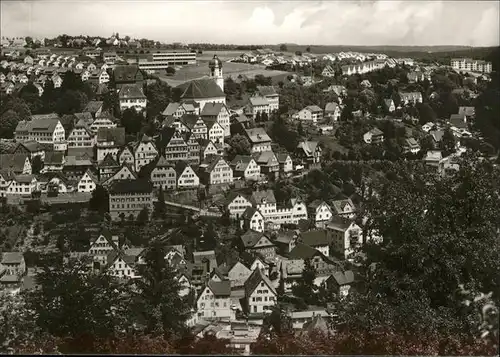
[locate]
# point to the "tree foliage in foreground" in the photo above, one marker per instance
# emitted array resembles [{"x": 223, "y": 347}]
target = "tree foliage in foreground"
[{"x": 440, "y": 233}]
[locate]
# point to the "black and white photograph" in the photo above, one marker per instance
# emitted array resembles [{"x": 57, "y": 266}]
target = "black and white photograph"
[{"x": 250, "y": 177}]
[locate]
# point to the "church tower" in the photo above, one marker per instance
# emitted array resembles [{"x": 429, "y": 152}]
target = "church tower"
[{"x": 215, "y": 66}]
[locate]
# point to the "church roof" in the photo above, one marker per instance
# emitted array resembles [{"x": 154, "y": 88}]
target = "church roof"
[{"x": 201, "y": 88}]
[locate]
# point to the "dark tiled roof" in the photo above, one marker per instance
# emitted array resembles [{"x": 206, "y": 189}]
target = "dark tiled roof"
[
  {"x": 212, "y": 109},
  {"x": 108, "y": 161},
  {"x": 316, "y": 238},
  {"x": 255, "y": 279},
  {"x": 303, "y": 251},
  {"x": 112, "y": 134},
  {"x": 250, "y": 238},
  {"x": 201, "y": 88},
  {"x": 31, "y": 146},
  {"x": 339, "y": 223},
  {"x": 220, "y": 288},
  {"x": 13, "y": 162},
  {"x": 125, "y": 73},
  {"x": 343, "y": 278},
  {"x": 131, "y": 91},
  {"x": 53, "y": 157},
  {"x": 190, "y": 120},
  {"x": 259, "y": 196},
  {"x": 131, "y": 186},
  {"x": 266, "y": 90},
  {"x": 86, "y": 117}
]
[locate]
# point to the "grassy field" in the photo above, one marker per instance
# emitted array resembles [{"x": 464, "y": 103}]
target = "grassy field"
[{"x": 230, "y": 69}]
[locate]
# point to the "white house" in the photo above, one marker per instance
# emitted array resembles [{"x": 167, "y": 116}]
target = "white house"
[
  {"x": 145, "y": 151},
  {"x": 23, "y": 185},
  {"x": 45, "y": 130},
  {"x": 346, "y": 236},
  {"x": 186, "y": 176},
  {"x": 81, "y": 136},
  {"x": 311, "y": 113},
  {"x": 214, "y": 301},
  {"x": 252, "y": 219},
  {"x": 88, "y": 182},
  {"x": 260, "y": 293},
  {"x": 237, "y": 204},
  {"x": 319, "y": 212}
]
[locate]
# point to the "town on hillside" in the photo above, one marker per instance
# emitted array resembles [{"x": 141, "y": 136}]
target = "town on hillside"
[{"x": 247, "y": 195}]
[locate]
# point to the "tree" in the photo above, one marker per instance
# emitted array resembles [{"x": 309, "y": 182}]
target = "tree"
[
  {"x": 239, "y": 145},
  {"x": 73, "y": 303},
  {"x": 36, "y": 165},
  {"x": 455, "y": 224},
  {"x": 159, "y": 95},
  {"x": 448, "y": 142},
  {"x": 71, "y": 101},
  {"x": 132, "y": 121},
  {"x": 17, "y": 105},
  {"x": 283, "y": 48},
  {"x": 425, "y": 113},
  {"x": 8, "y": 123},
  {"x": 308, "y": 49},
  {"x": 157, "y": 299},
  {"x": 160, "y": 207},
  {"x": 143, "y": 216},
  {"x": 305, "y": 288},
  {"x": 300, "y": 129},
  {"x": 99, "y": 201}
]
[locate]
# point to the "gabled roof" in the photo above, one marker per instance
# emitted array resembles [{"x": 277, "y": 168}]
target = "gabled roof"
[
  {"x": 437, "y": 135},
  {"x": 376, "y": 131},
  {"x": 241, "y": 162},
  {"x": 112, "y": 134},
  {"x": 316, "y": 238},
  {"x": 180, "y": 166},
  {"x": 13, "y": 162},
  {"x": 171, "y": 109},
  {"x": 53, "y": 157},
  {"x": 12, "y": 258},
  {"x": 255, "y": 101},
  {"x": 339, "y": 205},
  {"x": 282, "y": 157},
  {"x": 303, "y": 251},
  {"x": 309, "y": 147},
  {"x": 131, "y": 91},
  {"x": 313, "y": 109},
  {"x": 331, "y": 107},
  {"x": 265, "y": 91},
  {"x": 93, "y": 106},
  {"x": 249, "y": 213},
  {"x": 189, "y": 120},
  {"x": 212, "y": 109},
  {"x": 343, "y": 278},
  {"x": 108, "y": 161},
  {"x": 201, "y": 88},
  {"x": 259, "y": 196},
  {"x": 339, "y": 223},
  {"x": 254, "y": 280},
  {"x": 125, "y": 73},
  {"x": 131, "y": 186},
  {"x": 211, "y": 161},
  {"x": 38, "y": 125},
  {"x": 265, "y": 157},
  {"x": 31, "y": 146},
  {"x": 257, "y": 135},
  {"x": 220, "y": 288},
  {"x": 250, "y": 238}
]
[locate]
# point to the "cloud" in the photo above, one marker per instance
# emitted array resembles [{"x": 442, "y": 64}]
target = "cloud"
[{"x": 374, "y": 22}]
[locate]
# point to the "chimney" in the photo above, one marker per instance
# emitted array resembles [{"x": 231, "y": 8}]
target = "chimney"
[{"x": 116, "y": 240}]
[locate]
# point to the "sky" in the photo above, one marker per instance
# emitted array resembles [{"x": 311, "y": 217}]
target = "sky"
[{"x": 356, "y": 22}]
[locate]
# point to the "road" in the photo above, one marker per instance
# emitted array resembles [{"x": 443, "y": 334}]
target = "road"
[{"x": 200, "y": 211}]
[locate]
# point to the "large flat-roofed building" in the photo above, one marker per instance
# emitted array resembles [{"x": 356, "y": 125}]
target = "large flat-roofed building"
[{"x": 162, "y": 60}]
